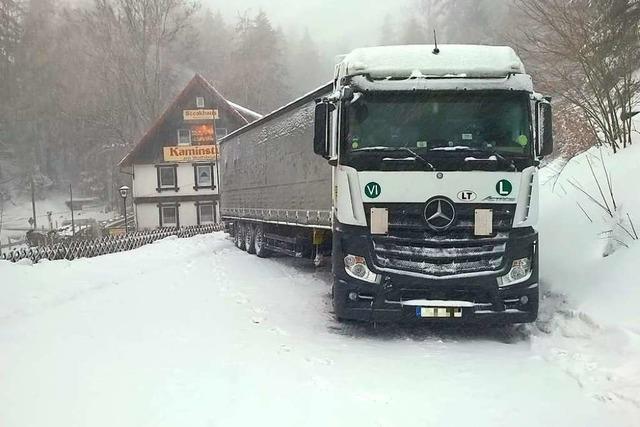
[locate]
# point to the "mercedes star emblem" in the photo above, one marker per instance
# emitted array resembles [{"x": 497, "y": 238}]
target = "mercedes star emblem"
[{"x": 440, "y": 214}]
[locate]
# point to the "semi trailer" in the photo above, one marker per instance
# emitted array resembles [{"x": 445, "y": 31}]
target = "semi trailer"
[{"x": 415, "y": 172}]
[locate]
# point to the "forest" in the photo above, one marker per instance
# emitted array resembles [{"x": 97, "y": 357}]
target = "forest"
[{"x": 81, "y": 81}]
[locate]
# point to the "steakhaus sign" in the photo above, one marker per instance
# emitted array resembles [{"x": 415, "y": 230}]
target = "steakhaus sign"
[
  {"x": 200, "y": 115},
  {"x": 190, "y": 153}
]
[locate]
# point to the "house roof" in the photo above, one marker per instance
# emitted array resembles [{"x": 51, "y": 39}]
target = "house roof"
[{"x": 243, "y": 115}]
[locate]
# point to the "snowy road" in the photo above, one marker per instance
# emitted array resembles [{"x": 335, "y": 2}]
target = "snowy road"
[{"x": 196, "y": 333}]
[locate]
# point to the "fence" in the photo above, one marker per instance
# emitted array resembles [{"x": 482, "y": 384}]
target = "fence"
[{"x": 107, "y": 245}]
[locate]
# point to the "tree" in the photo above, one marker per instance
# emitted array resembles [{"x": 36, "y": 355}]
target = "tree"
[
  {"x": 209, "y": 51},
  {"x": 134, "y": 35},
  {"x": 35, "y": 104},
  {"x": 457, "y": 21},
  {"x": 308, "y": 68},
  {"x": 258, "y": 73},
  {"x": 10, "y": 35},
  {"x": 586, "y": 52}
]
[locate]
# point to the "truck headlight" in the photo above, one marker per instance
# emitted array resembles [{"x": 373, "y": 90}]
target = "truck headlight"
[
  {"x": 356, "y": 267},
  {"x": 520, "y": 271}
]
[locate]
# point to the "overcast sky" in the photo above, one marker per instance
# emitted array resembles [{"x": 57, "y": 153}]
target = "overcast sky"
[{"x": 336, "y": 24}]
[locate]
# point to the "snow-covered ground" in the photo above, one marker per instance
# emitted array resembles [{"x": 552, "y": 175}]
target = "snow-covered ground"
[
  {"x": 195, "y": 332},
  {"x": 16, "y": 214}
]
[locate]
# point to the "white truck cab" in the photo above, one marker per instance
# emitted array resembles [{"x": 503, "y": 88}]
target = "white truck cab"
[{"x": 435, "y": 154}]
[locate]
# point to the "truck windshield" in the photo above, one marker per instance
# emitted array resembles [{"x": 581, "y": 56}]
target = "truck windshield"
[{"x": 437, "y": 125}]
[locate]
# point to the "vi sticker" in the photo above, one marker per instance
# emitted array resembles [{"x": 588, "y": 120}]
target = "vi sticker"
[{"x": 372, "y": 190}]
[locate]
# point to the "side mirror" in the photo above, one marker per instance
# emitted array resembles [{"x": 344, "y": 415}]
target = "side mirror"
[
  {"x": 321, "y": 129},
  {"x": 545, "y": 129}
]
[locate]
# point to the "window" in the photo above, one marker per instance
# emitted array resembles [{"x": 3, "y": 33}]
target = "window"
[
  {"x": 167, "y": 178},
  {"x": 203, "y": 176},
  {"x": 221, "y": 132},
  {"x": 184, "y": 137},
  {"x": 200, "y": 102},
  {"x": 169, "y": 216},
  {"x": 206, "y": 214}
]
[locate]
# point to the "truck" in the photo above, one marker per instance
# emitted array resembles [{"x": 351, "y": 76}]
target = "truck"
[{"x": 414, "y": 171}]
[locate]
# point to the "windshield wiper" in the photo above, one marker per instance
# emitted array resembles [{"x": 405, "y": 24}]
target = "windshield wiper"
[
  {"x": 493, "y": 155},
  {"x": 392, "y": 149}
]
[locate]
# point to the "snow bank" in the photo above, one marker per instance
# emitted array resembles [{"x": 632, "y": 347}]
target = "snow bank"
[
  {"x": 574, "y": 235},
  {"x": 590, "y": 318}
]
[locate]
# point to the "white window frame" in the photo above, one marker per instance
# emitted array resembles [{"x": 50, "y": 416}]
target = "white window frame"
[
  {"x": 163, "y": 221},
  {"x": 213, "y": 213},
  {"x": 179, "y": 138},
  {"x": 197, "y": 167},
  {"x": 161, "y": 185},
  {"x": 199, "y": 101}
]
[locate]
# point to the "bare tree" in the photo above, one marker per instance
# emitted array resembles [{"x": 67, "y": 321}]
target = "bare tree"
[
  {"x": 132, "y": 36},
  {"x": 587, "y": 52},
  {"x": 460, "y": 21}
]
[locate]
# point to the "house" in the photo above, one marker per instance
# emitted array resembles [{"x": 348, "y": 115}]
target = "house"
[{"x": 174, "y": 170}]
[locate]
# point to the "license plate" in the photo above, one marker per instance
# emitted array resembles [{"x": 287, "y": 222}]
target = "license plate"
[{"x": 438, "y": 312}]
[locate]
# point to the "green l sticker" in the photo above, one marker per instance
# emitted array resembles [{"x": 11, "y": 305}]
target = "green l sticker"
[
  {"x": 372, "y": 190},
  {"x": 504, "y": 187}
]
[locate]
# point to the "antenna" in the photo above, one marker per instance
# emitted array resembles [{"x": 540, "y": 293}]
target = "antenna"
[{"x": 436, "y": 50}]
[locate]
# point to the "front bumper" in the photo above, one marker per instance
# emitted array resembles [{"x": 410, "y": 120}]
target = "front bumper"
[
  {"x": 400, "y": 297},
  {"x": 506, "y": 307}
]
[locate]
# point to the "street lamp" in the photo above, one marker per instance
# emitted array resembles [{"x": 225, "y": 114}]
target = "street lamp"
[{"x": 124, "y": 190}]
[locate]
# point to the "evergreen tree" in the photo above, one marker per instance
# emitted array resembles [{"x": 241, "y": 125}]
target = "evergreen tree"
[
  {"x": 308, "y": 68},
  {"x": 214, "y": 41},
  {"x": 10, "y": 34},
  {"x": 258, "y": 74},
  {"x": 37, "y": 101}
]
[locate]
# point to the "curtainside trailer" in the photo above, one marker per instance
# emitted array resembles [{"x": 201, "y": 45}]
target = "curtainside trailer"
[{"x": 415, "y": 171}]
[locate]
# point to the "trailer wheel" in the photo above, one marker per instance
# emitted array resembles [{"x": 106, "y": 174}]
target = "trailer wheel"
[
  {"x": 242, "y": 229},
  {"x": 249, "y": 238},
  {"x": 258, "y": 242},
  {"x": 235, "y": 235}
]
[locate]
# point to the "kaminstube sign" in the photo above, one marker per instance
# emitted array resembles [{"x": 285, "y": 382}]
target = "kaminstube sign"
[{"x": 190, "y": 153}]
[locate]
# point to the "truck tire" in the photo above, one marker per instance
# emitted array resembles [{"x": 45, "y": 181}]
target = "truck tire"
[
  {"x": 241, "y": 230},
  {"x": 249, "y": 238},
  {"x": 258, "y": 242},
  {"x": 236, "y": 234}
]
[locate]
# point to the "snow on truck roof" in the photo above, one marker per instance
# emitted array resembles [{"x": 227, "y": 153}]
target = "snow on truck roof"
[{"x": 421, "y": 61}]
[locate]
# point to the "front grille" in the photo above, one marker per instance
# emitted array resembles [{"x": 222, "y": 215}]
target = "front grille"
[{"x": 412, "y": 246}]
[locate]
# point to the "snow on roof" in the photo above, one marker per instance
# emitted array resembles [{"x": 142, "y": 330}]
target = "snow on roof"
[
  {"x": 420, "y": 61},
  {"x": 247, "y": 113}
]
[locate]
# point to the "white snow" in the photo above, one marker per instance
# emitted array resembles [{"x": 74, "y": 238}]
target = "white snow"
[
  {"x": 16, "y": 214},
  {"x": 247, "y": 113},
  {"x": 417, "y": 61},
  {"x": 195, "y": 332}
]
